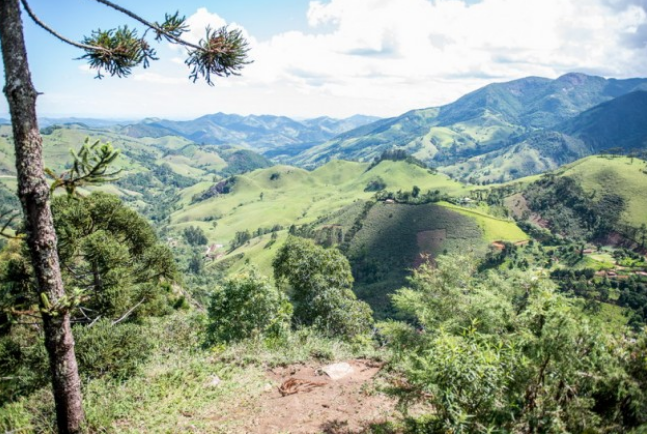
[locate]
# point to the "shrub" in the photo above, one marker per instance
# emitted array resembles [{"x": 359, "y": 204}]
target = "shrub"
[
  {"x": 321, "y": 288},
  {"x": 114, "y": 350},
  {"x": 246, "y": 306}
]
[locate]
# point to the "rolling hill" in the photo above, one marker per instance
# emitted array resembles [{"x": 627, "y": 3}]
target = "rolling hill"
[
  {"x": 331, "y": 205},
  {"x": 619, "y": 123},
  {"x": 597, "y": 198},
  {"x": 622, "y": 176}
]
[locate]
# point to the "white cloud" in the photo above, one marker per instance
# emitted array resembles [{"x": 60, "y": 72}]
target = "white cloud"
[
  {"x": 203, "y": 19},
  {"x": 411, "y": 53},
  {"x": 385, "y": 57},
  {"x": 152, "y": 77}
]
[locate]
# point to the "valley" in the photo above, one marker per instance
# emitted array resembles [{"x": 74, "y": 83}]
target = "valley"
[{"x": 519, "y": 200}]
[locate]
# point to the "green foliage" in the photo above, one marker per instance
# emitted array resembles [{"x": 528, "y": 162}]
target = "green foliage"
[
  {"x": 396, "y": 155},
  {"x": 571, "y": 212},
  {"x": 222, "y": 52},
  {"x": 90, "y": 166},
  {"x": 111, "y": 263},
  {"x": 117, "y": 51},
  {"x": 376, "y": 184},
  {"x": 103, "y": 349},
  {"x": 23, "y": 363},
  {"x": 247, "y": 306},
  {"x": 503, "y": 352},
  {"x": 117, "y": 351},
  {"x": 195, "y": 236},
  {"x": 320, "y": 287}
]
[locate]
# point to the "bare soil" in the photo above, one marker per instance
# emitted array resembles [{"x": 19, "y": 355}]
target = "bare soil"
[{"x": 311, "y": 402}]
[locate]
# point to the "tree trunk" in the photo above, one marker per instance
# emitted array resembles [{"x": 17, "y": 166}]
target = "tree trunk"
[{"x": 33, "y": 192}]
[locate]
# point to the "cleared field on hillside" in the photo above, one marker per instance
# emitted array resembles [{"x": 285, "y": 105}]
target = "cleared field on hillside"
[
  {"x": 492, "y": 228},
  {"x": 393, "y": 240},
  {"x": 618, "y": 175},
  {"x": 285, "y": 195}
]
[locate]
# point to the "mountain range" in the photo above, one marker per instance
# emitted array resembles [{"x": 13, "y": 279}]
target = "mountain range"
[
  {"x": 506, "y": 130},
  {"x": 259, "y": 133},
  {"x": 500, "y": 132}
]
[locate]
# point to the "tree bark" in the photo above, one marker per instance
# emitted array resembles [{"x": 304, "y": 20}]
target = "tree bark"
[{"x": 33, "y": 192}]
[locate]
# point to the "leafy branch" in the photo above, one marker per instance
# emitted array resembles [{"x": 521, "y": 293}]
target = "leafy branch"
[
  {"x": 90, "y": 166},
  {"x": 222, "y": 52}
]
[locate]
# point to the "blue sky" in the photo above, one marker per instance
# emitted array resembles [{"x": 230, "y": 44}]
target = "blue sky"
[{"x": 339, "y": 57}]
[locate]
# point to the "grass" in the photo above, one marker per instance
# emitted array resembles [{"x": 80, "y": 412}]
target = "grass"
[
  {"x": 391, "y": 242},
  {"x": 602, "y": 261},
  {"x": 174, "y": 391},
  {"x": 262, "y": 250},
  {"x": 296, "y": 196},
  {"x": 494, "y": 229},
  {"x": 619, "y": 175},
  {"x": 611, "y": 317}
]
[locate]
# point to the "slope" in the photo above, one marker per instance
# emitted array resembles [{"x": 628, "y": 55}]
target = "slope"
[
  {"x": 525, "y": 117},
  {"x": 331, "y": 205},
  {"x": 622, "y": 176}
]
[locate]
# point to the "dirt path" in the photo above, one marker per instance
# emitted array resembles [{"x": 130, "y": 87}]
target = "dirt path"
[{"x": 312, "y": 402}]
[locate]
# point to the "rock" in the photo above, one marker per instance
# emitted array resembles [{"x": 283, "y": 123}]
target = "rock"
[
  {"x": 337, "y": 371},
  {"x": 214, "y": 381}
]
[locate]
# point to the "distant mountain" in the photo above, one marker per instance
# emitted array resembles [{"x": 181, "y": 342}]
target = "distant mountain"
[
  {"x": 259, "y": 133},
  {"x": 526, "y": 125},
  {"x": 621, "y": 122},
  {"x": 84, "y": 122}
]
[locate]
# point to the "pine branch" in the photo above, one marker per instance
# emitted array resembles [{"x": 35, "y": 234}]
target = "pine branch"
[
  {"x": 90, "y": 167},
  {"x": 53, "y": 32},
  {"x": 10, "y": 215},
  {"x": 156, "y": 27},
  {"x": 127, "y": 314}
]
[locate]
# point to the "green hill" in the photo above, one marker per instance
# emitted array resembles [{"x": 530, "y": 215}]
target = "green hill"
[
  {"x": 330, "y": 204},
  {"x": 621, "y": 122},
  {"x": 595, "y": 198},
  {"x": 395, "y": 238},
  {"x": 295, "y": 196},
  {"x": 623, "y": 176}
]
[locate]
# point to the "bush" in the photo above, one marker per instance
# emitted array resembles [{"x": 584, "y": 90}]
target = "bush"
[
  {"x": 503, "y": 352},
  {"x": 23, "y": 364},
  {"x": 246, "y": 306},
  {"x": 320, "y": 281},
  {"x": 114, "y": 350}
]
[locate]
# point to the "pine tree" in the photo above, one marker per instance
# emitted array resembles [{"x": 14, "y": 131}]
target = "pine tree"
[{"x": 221, "y": 53}]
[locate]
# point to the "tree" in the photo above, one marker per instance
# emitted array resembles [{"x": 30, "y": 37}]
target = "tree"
[
  {"x": 504, "y": 352},
  {"x": 245, "y": 306},
  {"x": 320, "y": 284},
  {"x": 222, "y": 52},
  {"x": 195, "y": 236}
]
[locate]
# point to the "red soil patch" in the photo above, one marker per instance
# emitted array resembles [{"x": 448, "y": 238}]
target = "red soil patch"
[{"x": 322, "y": 406}]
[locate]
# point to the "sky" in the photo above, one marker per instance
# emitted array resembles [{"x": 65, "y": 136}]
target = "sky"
[{"x": 336, "y": 57}]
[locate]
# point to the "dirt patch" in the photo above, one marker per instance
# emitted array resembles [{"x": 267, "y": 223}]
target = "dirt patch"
[
  {"x": 517, "y": 205},
  {"x": 319, "y": 405}
]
